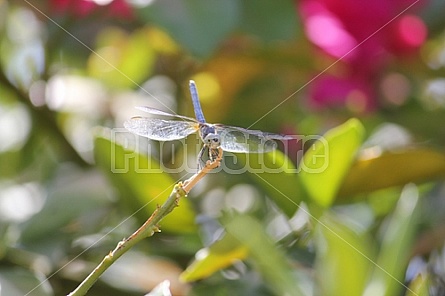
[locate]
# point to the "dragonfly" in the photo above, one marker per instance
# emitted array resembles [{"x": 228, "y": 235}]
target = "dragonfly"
[{"x": 214, "y": 136}]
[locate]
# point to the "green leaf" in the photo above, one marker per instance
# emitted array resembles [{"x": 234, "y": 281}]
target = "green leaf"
[
  {"x": 122, "y": 60},
  {"x": 326, "y": 163},
  {"x": 393, "y": 169},
  {"x": 268, "y": 259},
  {"x": 270, "y": 20},
  {"x": 85, "y": 196},
  {"x": 140, "y": 187},
  {"x": 245, "y": 237},
  {"x": 340, "y": 252},
  {"x": 199, "y": 25},
  {"x": 395, "y": 250},
  {"x": 219, "y": 255},
  {"x": 277, "y": 175},
  {"x": 17, "y": 281}
]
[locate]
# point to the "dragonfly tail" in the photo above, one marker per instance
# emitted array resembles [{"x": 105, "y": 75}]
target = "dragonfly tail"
[{"x": 196, "y": 105}]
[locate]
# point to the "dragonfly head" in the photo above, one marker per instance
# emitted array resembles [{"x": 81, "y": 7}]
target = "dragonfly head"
[{"x": 213, "y": 141}]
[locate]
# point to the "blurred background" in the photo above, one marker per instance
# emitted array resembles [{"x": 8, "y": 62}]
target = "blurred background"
[{"x": 72, "y": 71}]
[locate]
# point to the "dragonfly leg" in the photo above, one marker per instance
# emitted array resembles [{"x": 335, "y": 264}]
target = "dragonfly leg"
[
  {"x": 216, "y": 155},
  {"x": 200, "y": 158}
]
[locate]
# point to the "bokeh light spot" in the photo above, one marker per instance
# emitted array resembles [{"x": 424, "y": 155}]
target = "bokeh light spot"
[
  {"x": 412, "y": 30},
  {"x": 395, "y": 88},
  {"x": 433, "y": 95},
  {"x": 19, "y": 202},
  {"x": 356, "y": 101},
  {"x": 209, "y": 88},
  {"x": 16, "y": 125}
]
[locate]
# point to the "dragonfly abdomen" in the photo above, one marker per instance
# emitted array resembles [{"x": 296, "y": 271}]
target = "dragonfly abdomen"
[{"x": 196, "y": 105}]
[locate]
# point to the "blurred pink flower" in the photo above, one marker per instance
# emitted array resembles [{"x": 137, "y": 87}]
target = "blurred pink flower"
[
  {"x": 331, "y": 91},
  {"x": 83, "y": 8},
  {"x": 340, "y": 27}
]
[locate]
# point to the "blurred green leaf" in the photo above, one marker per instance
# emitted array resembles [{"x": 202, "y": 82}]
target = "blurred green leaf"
[
  {"x": 11, "y": 160},
  {"x": 270, "y": 20},
  {"x": 245, "y": 237},
  {"x": 18, "y": 281},
  {"x": 82, "y": 193},
  {"x": 341, "y": 252},
  {"x": 199, "y": 25},
  {"x": 277, "y": 175},
  {"x": 395, "y": 249},
  {"x": 141, "y": 189},
  {"x": 219, "y": 255},
  {"x": 122, "y": 60},
  {"x": 393, "y": 169},
  {"x": 269, "y": 260},
  {"x": 325, "y": 164}
]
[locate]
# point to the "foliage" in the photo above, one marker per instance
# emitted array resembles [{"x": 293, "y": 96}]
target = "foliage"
[{"x": 353, "y": 205}]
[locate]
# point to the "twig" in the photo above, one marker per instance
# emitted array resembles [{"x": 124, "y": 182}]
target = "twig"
[{"x": 148, "y": 228}]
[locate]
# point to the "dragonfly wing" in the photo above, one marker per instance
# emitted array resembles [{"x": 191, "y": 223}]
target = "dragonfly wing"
[
  {"x": 237, "y": 139},
  {"x": 159, "y": 129},
  {"x": 163, "y": 113}
]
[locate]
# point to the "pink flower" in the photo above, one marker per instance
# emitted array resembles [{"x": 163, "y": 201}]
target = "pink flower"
[
  {"x": 83, "y": 8},
  {"x": 339, "y": 27},
  {"x": 331, "y": 91},
  {"x": 365, "y": 35}
]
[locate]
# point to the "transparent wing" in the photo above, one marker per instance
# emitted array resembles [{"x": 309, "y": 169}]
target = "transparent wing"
[
  {"x": 159, "y": 129},
  {"x": 159, "y": 112},
  {"x": 237, "y": 139}
]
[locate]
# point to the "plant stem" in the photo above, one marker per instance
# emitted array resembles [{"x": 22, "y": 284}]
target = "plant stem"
[{"x": 148, "y": 228}]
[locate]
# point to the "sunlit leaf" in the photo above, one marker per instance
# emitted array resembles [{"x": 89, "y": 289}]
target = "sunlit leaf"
[
  {"x": 393, "y": 169},
  {"x": 326, "y": 163},
  {"x": 398, "y": 233},
  {"x": 161, "y": 41},
  {"x": 342, "y": 258},
  {"x": 199, "y": 25},
  {"x": 141, "y": 188},
  {"x": 122, "y": 60},
  {"x": 219, "y": 255}
]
